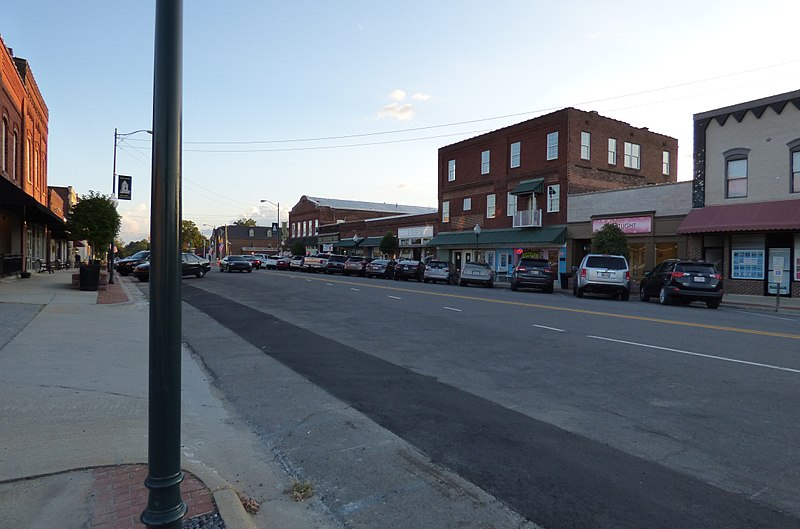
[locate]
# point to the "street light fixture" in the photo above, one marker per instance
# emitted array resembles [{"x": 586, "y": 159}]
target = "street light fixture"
[
  {"x": 280, "y": 231},
  {"x": 477, "y": 231},
  {"x": 117, "y": 138},
  {"x": 205, "y": 253}
]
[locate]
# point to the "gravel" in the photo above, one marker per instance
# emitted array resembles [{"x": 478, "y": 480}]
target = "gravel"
[{"x": 211, "y": 520}]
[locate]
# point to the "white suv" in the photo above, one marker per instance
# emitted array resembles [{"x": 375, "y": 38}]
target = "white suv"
[{"x": 604, "y": 273}]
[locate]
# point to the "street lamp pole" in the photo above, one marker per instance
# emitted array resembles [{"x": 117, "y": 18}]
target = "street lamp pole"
[
  {"x": 280, "y": 231},
  {"x": 477, "y": 231},
  {"x": 205, "y": 254}
]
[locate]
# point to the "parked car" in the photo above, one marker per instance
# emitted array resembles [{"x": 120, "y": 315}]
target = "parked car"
[
  {"x": 191, "y": 265},
  {"x": 409, "y": 269},
  {"x": 477, "y": 273},
  {"x": 684, "y": 281},
  {"x": 315, "y": 263},
  {"x": 335, "y": 264},
  {"x": 381, "y": 268},
  {"x": 255, "y": 262},
  {"x": 296, "y": 263},
  {"x": 440, "y": 271},
  {"x": 270, "y": 262},
  {"x": 356, "y": 265},
  {"x": 608, "y": 274},
  {"x": 230, "y": 263},
  {"x": 533, "y": 273},
  {"x": 126, "y": 266},
  {"x": 283, "y": 263}
]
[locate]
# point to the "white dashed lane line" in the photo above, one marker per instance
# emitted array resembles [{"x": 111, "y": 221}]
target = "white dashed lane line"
[
  {"x": 451, "y": 308},
  {"x": 394, "y": 297},
  {"x": 355, "y": 289},
  {"x": 548, "y": 328}
]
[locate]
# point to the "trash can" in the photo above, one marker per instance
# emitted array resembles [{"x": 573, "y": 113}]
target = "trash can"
[
  {"x": 564, "y": 277},
  {"x": 89, "y": 276}
]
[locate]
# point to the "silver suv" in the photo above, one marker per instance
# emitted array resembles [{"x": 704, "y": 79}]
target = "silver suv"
[{"x": 603, "y": 273}]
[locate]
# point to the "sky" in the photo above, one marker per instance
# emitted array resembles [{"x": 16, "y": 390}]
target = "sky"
[{"x": 351, "y": 99}]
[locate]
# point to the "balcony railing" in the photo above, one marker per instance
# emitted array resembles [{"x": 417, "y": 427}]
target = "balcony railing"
[{"x": 531, "y": 218}]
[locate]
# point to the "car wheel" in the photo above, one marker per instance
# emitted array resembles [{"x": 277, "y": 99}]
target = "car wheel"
[
  {"x": 426, "y": 280},
  {"x": 249, "y": 270},
  {"x": 462, "y": 283},
  {"x": 514, "y": 287},
  {"x": 579, "y": 292},
  {"x": 549, "y": 289},
  {"x": 643, "y": 294},
  {"x": 200, "y": 274},
  {"x": 490, "y": 284},
  {"x": 712, "y": 304},
  {"x": 625, "y": 296},
  {"x": 663, "y": 297}
]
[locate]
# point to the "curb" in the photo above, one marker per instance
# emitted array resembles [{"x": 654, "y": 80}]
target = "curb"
[{"x": 232, "y": 511}]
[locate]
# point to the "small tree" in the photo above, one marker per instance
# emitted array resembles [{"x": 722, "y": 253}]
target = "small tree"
[
  {"x": 298, "y": 248},
  {"x": 389, "y": 244},
  {"x": 191, "y": 236},
  {"x": 245, "y": 222},
  {"x": 610, "y": 239},
  {"x": 94, "y": 219}
]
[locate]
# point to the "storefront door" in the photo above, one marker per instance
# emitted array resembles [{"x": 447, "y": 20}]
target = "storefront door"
[
  {"x": 457, "y": 260},
  {"x": 779, "y": 270}
]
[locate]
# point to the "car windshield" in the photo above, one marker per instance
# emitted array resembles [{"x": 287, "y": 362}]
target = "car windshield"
[
  {"x": 695, "y": 268},
  {"x": 437, "y": 264},
  {"x": 380, "y": 262},
  {"x": 479, "y": 266},
  {"x": 236, "y": 258},
  {"x": 606, "y": 261},
  {"x": 534, "y": 262},
  {"x": 355, "y": 259},
  {"x": 140, "y": 255}
]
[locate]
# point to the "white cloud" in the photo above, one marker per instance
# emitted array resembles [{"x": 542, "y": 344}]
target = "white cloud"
[
  {"x": 397, "y": 95},
  {"x": 421, "y": 97},
  {"x": 397, "y": 111}
]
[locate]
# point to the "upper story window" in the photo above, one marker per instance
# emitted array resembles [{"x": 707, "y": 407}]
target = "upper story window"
[
  {"x": 794, "y": 149},
  {"x": 491, "y": 206},
  {"x": 446, "y": 211},
  {"x": 305, "y": 228},
  {"x": 612, "y": 151},
  {"x": 451, "y": 170},
  {"x": 586, "y": 146},
  {"x": 515, "y": 148},
  {"x": 4, "y": 147},
  {"x": 552, "y": 145},
  {"x": 251, "y": 232},
  {"x": 14, "y": 147},
  {"x": 633, "y": 155},
  {"x": 294, "y": 229},
  {"x": 665, "y": 163},
  {"x": 485, "y": 162},
  {"x": 316, "y": 226},
  {"x": 553, "y": 198},
  {"x": 736, "y": 172},
  {"x": 511, "y": 205},
  {"x": 467, "y": 203}
]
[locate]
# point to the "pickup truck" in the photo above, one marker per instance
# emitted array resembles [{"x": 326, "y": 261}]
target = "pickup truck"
[{"x": 315, "y": 263}]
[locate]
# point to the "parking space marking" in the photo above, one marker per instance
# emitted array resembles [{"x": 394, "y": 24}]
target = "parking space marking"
[
  {"x": 764, "y": 315},
  {"x": 548, "y": 328},
  {"x": 355, "y": 289},
  {"x": 451, "y": 308},
  {"x": 394, "y": 297},
  {"x": 690, "y": 353}
]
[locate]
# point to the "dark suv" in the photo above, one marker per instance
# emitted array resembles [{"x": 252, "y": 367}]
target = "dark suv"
[
  {"x": 533, "y": 273},
  {"x": 335, "y": 264},
  {"x": 684, "y": 281}
]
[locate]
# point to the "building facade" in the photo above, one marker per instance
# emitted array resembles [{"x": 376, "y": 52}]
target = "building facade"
[
  {"x": 746, "y": 194},
  {"x": 504, "y": 194},
  {"x": 244, "y": 240},
  {"x": 363, "y": 237}
]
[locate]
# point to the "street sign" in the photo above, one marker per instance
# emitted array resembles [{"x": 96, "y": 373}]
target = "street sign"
[{"x": 124, "y": 187}]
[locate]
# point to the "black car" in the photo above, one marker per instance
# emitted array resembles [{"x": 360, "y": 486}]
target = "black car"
[
  {"x": 684, "y": 281},
  {"x": 126, "y": 266},
  {"x": 409, "y": 269},
  {"x": 381, "y": 268},
  {"x": 191, "y": 265},
  {"x": 533, "y": 273},
  {"x": 230, "y": 263},
  {"x": 335, "y": 264}
]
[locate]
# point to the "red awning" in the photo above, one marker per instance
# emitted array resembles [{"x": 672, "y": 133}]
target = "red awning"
[{"x": 757, "y": 216}]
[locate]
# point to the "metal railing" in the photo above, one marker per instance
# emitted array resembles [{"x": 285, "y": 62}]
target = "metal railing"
[{"x": 528, "y": 218}]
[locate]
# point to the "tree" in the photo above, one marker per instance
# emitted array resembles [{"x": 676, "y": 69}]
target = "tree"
[
  {"x": 389, "y": 244},
  {"x": 94, "y": 219},
  {"x": 610, "y": 239},
  {"x": 245, "y": 222},
  {"x": 191, "y": 236},
  {"x": 137, "y": 246},
  {"x": 298, "y": 248}
]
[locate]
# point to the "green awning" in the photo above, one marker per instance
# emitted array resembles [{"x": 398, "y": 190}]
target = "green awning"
[
  {"x": 371, "y": 242},
  {"x": 349, "y": 243},
  {"x": 515, "y": 237},
  {"x": 529, "y": 186}
]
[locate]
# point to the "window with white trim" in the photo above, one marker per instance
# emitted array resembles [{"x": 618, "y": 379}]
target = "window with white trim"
[
  {"x": 491, "y": 206},
  {"x": 446, "y": 211},
  {"x": 612, "y": 151},
  {"x": 316, "y": 226},
  {"x": 736, "y": 172},
  {"x": 4, "y": 145},
  {"x": 451, "y": 170},
  {"x": 511, "y": 205},
  {"x": 294, "y": 229},
  {"x": 305, "y": 228},
  {"x": 665, "y": 163},
  {"x": 552, "y": 145},
  {"x": 515, "y": 156},
  {"x": 485, "y": 162},
  {"x": 586, "y": 146},
  {"x": 633, "y": 155},
  {"x": 794, "y": 153},
  {"x": 554, "y": 198},
  {"x": 467, "y": 203},
  {"x": 14, "y": 148}
]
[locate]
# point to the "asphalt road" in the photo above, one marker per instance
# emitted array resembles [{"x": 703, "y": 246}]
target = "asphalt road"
[{"x": 573, "y": 412}]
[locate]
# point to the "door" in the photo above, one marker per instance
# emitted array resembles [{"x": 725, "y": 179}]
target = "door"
[
  {"x": 457, "y": 260},
  {"x": 778, "y": 271}
]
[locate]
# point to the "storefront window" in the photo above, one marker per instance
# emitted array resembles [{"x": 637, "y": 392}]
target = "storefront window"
[
  {"x": 637, "y": 260},
  {"x": 666, "y": 250},
  {"x": 747, "y": 257}
]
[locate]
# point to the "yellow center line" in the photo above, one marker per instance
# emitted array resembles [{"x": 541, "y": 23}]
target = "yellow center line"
[{"x": 566, "y": 309}]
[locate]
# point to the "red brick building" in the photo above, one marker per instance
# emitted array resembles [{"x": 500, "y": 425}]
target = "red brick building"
[{"x": 513, "y": 183}]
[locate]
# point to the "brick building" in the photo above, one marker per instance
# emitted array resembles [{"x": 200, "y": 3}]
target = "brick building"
[
  {"x": 311, "y": 213},
  {"x": 363, "y": 237},
  {"x": 504, "y": 193},
  {"x": 29, "y": 228},
  {"x": 240, "y": 240},
  {"x": 746, "y": 194}
]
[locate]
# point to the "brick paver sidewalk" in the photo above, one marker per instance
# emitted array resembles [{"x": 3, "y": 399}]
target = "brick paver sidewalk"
[{"x": 112, "y": 294}]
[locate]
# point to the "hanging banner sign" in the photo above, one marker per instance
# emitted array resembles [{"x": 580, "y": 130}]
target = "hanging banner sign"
[{"x": 124, "y": 187}]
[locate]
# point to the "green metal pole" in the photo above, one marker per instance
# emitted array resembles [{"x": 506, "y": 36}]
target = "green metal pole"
[{"x": 165, "y": 509}]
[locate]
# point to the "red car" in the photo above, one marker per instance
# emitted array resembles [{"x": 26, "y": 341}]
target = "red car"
[{"x": 283, "y": 263}]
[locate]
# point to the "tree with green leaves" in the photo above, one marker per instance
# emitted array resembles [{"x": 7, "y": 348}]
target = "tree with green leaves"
[
  {"x": 389, "y": 244},
  {"x": 298, "y": 248},
  {"x": 135, "y": 246},
  {"x": 191, "y": 238},
  {"x": 610, "y": 239},
  {"x": 94, "y": 219},
  {"x": 245, "y": 222}
]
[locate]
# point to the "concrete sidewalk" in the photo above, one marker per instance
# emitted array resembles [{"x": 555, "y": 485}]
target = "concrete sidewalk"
[{"x": 73, "y": 388}]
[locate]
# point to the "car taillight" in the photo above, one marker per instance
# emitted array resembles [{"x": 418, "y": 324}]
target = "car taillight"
[
  {"x": 522, "y": 269},
  {"x": 717, "y": 276},
  {"x": 676, "y": 275},
  {"x": 627, "y": 275},
  {"x": 583, "y": 272},
  {"x": 548, "y": 270}
]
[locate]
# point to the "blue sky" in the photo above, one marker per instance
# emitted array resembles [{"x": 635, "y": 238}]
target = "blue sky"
[{"x": 392, "y": 82}]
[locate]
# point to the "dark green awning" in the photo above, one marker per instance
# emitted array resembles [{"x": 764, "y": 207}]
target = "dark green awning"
[
  {"x": 514, "y": 237},
  {"x": 349, "y": 243},
  {"x": 529, "y": 186},
  {"x": 371, "y": 242}
]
